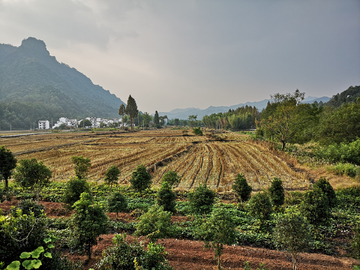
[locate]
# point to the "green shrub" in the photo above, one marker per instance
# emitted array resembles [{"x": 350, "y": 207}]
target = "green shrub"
[
  {"x": 20, "y": 233},
  {"x": 88, "y": 221},
  {"x": 125, "y": 255},
  {"x": 172, "y": 178},
  {"x": 259, "y": 206},
  {"x": 198, "y": 131},
  {"x": 140, "y": 179},
  {"x": 276, "y": 192},
  {"x": 328, "y": 190},
  {"x": 218, "y": 230},
  {"x": 345, "y": 169},
  {"x": 355, "y": 242},
  {"x": 166, "y": 198},
  {"x": 117, "y": 203},
  {"x": 202, "y": 200},
  {"x": 241, "y": 187},
  {"x": 112, "y": 175},
  {"x": 155, "y": 224},
  {"x": 315, "y": 207},
  {"x": 342, "y": 152},
  {"x": 81, "y": 166},
  {"x": 28, "y": 206},
  {"x": 291, "y": 233},
  {"x": 73, "y": 190},
  {"x": 294, "y": 198}
]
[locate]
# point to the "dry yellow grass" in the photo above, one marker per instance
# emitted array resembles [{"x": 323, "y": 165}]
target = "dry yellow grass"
[{"x": 197, "y": 159}]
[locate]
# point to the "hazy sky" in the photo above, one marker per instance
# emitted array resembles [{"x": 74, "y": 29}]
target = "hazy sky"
[{"x": 178, "y": 54}]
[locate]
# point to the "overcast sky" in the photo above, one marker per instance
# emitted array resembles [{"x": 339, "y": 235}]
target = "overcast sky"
[{"x": 178, "y": 54}]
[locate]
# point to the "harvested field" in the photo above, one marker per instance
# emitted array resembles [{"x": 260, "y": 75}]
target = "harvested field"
[{"x": 197, "y": 159}]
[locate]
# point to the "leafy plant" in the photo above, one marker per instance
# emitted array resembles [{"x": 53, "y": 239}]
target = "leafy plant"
[
  {"x": 81, "y": 166},
  {"x": 355, "y": 242},
  {"x": 155, "y": 224},
  {"x": 117, "y": 203},
  {"x": 315, "y": 207},
  {"x": 242, "y": 188},
  {"x": 259, "y": 206},
  {"x": 89, "y": 221},
  {"x": 202, "y": 200},
  {"x": 172, "y": 178},
  {"x": 166, "y": 198},
  {"x": 28, "y": 206},
  {"x": 328, "y": 190},
  {"x": 7, "y": 164},
  {"x": 276, "y": 192},
  {"x": 218, "y": 230},
  {"x": 292, "y": 234},
  {"x": 73, "y": 190},
  {"x": 197, "y": 131},
  {"x": 126, "y": 255},
  {"x": 112, "y": 175},
  {"x": 33, "y": 174},
  {"x": 140, "y": 179}
]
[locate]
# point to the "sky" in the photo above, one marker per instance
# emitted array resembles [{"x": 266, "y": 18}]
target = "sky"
[{"x": 171, "y": 54}]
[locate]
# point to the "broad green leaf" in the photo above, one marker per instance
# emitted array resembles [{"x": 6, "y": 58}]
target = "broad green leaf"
[
  {"x": 27, "y": 264},
  {"x": 36, "y": 264},
  {"x": 47, "y": 240},
  {"x": 47, "y": 255},
  {"x": 25, "y": 255},
  {"x": 36, "y": 253},
  {"x": 15, "y": 265},
  {"x": 51, "y": 246}
]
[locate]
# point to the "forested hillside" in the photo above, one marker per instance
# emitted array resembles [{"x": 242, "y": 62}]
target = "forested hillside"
[{"x": 34, "y": 85}]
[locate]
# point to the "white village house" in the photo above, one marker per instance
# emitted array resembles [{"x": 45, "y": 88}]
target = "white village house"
[{"x": 43, "y": 124}]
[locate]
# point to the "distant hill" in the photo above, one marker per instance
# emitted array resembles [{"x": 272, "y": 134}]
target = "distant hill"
[
  {"x": 347, "y": 96},
  {"x": 184, "y": 113},
  {"x": 30, "y": 78}
]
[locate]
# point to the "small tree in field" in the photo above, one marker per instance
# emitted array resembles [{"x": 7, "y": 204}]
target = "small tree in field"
[
  {"x": 172, "y": 178},
  {"x": 259, "y": 206},
  {"x": 242, "y": 188},
  {"x": 89, "y": 221},
  {"x": 7, "y": 164},
  {"x": 117, "y": 203},
  {"x": 112, "y": 175},
  {"x": 166, "y": 197},
  {"x": 73, "y": 190},
  {"x": 328, "y": 190},
  {"x": 81, "y": 166},
  {"x": 32, "y": 174},
  {"x": 292, "y": 234},
  {"x": 140, "y": 179},
  {"x": 202, "y": 200},
  {"x": 217, "y": 231},
  {"x": 276, "y": 192}
]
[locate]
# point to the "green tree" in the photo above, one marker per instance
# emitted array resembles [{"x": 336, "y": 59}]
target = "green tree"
[
  {"x": 140, "y": 179},
  {"x": 202, "y": 200},
  {"x": 292, "y": 234},
  {"x": 81, "y": 166},
  {"x": 172, "y": 178},
  {"x": 281, "y": 119},
  {"x": 112, "y": 175},
  {"x": 89, "y": 221},
  {"x": 259, "y": 206},
  {"x": 328, "y": 190},
  {"x": 155, "y": 223},
  {"x": 276, "y": 191},
  {"x": 166, "y": 197},
  {"x": 117, "y": 203},
  {"x": 315, "y": 207},
  {"x": 32, "y": 174},
  {"x": 177, "y": 122},
  {"x": 156, "y": 119},
  {"x": 131, "y": 110},
  {"x": 122, "y": 112},
  {"x": 7, "y": 164},
  {"x": 218, "y": 230},
  {"x": 73, "y": 190},
  {"x": 192, "y": 120},
  {"x": 86, "y": 123},
  {"x": 147, "y": 119},
  {"x": 242, "y": 188}
]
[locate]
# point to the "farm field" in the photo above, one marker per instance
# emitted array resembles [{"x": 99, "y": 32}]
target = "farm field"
[{"x": 197, "y": 159}]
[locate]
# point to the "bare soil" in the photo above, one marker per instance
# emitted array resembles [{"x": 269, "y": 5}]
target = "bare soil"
[{"x": 187, "y": 254}]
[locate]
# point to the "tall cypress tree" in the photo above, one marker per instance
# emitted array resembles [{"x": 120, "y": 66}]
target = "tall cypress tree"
[
  {"x": 156, "y": 119},
  {"x": 131, "y": 109}
]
